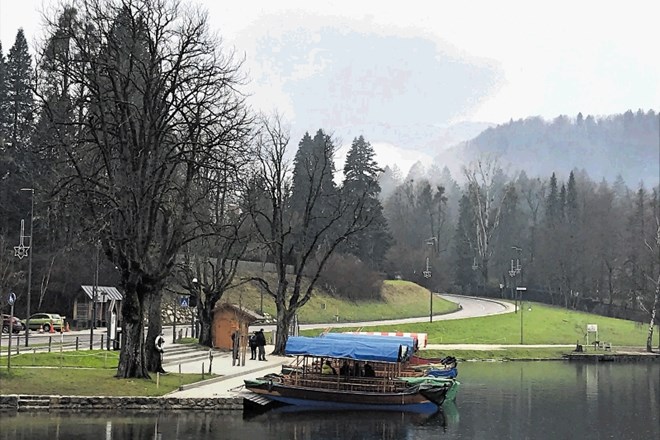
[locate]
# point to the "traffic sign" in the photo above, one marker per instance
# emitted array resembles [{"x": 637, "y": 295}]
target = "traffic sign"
[
  {"x": 12, "y": 298},
  {"x": 184, "y": 301}
]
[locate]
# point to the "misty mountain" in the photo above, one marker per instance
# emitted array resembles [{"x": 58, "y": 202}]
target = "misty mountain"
[{"x": 605, "y": 147}]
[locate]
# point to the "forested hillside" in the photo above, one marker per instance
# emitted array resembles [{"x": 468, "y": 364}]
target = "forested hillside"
[{"x": 626, "y": 144}]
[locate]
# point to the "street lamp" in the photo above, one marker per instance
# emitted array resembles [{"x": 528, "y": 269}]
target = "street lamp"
[
  {"x": 30, "y": 250},
  {"x": 427, "y": 274},
  {"x": 199, "y": 298},
  {"x": 521, "y": 290},
  {"x": 515, "y": 270},
  {"x": 95, "y": 294}
]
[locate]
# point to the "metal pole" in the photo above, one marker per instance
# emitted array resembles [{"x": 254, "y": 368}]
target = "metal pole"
[
  {"x": 522, "y": 310},
  {"x": 11, "y": 332},
  {"x": 520, "y": 292},
  {"x": 431, "y": 306},
  {"x": 29, "y": 280},
  {"x": 94, "y": 300},
  {"x": 176, "y": 300}
]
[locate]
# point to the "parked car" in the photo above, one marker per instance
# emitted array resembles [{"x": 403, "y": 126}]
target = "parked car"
[
  {"x": 16, "y": 327},
  {"x": 45, "y": 320}
]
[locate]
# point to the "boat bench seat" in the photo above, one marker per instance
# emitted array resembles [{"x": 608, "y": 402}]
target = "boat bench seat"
[{"x": 357, "y": 384}]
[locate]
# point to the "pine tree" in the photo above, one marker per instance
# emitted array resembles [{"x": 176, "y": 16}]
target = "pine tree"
[
  {"x": 313, "y": 191},
  {"x": 552, "y": 209},
  {"x": 572, "y": 213},
  {"x": 361, "y": 183},
  {"x": 4, "y": 110},
  {"x": 20, "y": 102}
]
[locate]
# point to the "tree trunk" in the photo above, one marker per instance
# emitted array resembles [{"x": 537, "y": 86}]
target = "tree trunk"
[
  {"x": 132, "y": 362},
  {"x": 205, "y": 327},
  {"x": 155, "y": 327},
  {"x": 282, "y": 334},
  {"x": 654, "y": 311}
]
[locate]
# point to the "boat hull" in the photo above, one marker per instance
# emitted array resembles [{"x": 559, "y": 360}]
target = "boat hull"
[{"x": 414, "y": 399}]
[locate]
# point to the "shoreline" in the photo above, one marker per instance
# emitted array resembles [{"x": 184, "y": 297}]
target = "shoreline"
[{"x": 14, "y": 403}]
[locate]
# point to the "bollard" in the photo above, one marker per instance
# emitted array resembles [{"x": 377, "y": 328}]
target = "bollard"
[
  {"x": 77, "y": 341},
  {"x": 202, "y": 370},
  {"x": 18, "y": 346},
  {"x": 210, "y": 361},
  {"x": 102, "y": 336},
  {"x": 50, "y": 343},
  {"x": 157, "y": 379},
  {"x": 34, "y": 357},
  {"x": 180, "y": 378}
]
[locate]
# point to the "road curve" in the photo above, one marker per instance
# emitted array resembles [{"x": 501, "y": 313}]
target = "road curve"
[{"x": 470, "y": 307}]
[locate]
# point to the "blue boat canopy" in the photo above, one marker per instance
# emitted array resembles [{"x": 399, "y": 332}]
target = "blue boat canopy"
[
  {"x": 408, "y": 341},
  {"x": 344, "y": 348}
]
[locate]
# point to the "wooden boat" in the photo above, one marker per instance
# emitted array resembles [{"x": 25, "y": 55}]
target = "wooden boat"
[{"x": 306, "y": 385}]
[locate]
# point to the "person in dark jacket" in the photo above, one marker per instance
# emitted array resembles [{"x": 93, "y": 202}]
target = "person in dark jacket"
[
  {"x": 261, "y": 344},
  {"x": 252, "y": 340}
]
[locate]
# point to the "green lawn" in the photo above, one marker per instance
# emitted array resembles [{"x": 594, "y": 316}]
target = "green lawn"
[
  {"x": 542, "y": 324},
  {"x": 402, "y": 299},
  {"x": 499, "y": 355},
  {"x": 87, "y": 382},
  {"x": 72, "y": 359}
]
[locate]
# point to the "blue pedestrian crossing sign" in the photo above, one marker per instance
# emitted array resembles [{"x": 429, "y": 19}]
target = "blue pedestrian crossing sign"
[{"x": 184, "y": 301}]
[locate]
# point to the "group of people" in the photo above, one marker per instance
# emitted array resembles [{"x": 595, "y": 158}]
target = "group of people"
[
  {"x": 257, "y": 342},
  {"x": 348, "y": 370}
]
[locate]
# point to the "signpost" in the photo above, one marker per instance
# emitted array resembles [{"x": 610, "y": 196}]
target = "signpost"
[
  {"x": 520, "y": 291},
  {"x": 11, "y": 299}
]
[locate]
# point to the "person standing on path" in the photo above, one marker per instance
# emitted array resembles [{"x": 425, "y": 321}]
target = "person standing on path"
[
  {"x": 261, "y": 344},
  {"x": 252, "y": 340}
]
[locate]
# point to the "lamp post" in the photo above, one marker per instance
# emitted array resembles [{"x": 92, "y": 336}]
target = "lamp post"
[
  {"x": 515, "y": 270},
  {"x": 521, "y": 290},
  {"x": 95, "y": 294},
  {"x": 29, "y": 281},
  {"x": 427, "y": 275},
  {"x": 199, "y": 298}
]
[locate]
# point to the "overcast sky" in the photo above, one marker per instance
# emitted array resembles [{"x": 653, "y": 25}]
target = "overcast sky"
[{"x": 397, "y": 73}]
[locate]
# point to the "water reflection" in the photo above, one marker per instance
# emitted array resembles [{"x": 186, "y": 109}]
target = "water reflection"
[{"x": 541, "y": 400}]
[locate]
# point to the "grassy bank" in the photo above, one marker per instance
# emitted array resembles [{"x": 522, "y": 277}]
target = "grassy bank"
[
  {"x": 87, "y": 382},
  {"x": 542, "y": 324},
  {"x": 401, "y": 299}
]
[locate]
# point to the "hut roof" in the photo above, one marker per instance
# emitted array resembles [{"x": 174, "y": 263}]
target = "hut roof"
[
  {"x": 103, "y": 293},
  {"x": 247, "y": 313}
]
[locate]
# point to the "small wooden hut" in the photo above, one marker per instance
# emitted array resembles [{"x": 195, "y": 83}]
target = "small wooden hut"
[
  {"x": 104, "y": 298},
  {"x": 228, "y": 318}
]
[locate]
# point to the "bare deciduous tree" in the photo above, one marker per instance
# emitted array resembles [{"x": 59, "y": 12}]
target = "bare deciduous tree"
[
  {"x": 153, "y": 103},
  {"x": 299, "y": 258},
  {"x": 487, "y": 210}
]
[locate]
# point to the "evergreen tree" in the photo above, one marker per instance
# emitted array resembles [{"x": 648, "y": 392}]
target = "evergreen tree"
[
  {"x": 572, "y": 213},
  {"x": 20, "y": 102},
  {"x": 552, "y": 209},
  {"x": 562, "y": 203},
  {"x": 4, "y": 110},
  {"x": 313, "y": 191},
  {"x": 361, "y": 183}
]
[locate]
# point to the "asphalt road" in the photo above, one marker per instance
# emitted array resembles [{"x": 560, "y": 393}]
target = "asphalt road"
[{"x": 471, "y": 307}]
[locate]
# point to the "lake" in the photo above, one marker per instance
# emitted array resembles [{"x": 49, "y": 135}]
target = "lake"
[{"x": 511, "y": 400}]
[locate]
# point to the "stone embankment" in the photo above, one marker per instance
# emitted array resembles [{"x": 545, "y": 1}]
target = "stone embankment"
[{"x": 16, "y": 402}]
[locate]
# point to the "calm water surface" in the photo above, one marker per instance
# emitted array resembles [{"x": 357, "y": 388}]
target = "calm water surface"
[{"x": 515, "y": 400}]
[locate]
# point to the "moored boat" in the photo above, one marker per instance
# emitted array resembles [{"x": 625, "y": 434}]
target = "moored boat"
[{"x": 310, "y": 381}]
